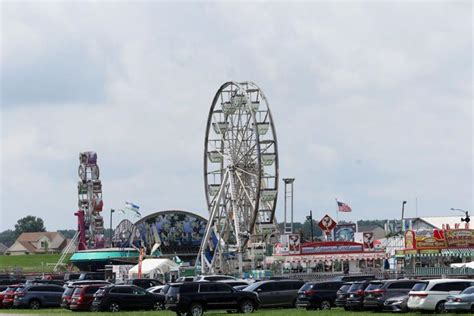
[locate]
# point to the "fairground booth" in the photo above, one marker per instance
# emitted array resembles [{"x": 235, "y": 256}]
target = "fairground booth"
[
  {"x": 437, "y": 251},
  {"x": 339, "y": 254}
]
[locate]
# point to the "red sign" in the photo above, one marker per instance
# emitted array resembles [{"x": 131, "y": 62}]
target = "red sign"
[{"x": 327, "y": 224}]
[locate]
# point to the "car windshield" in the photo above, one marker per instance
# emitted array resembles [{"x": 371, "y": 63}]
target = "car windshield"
[
  {"x": 306, "y": 287},
  {"x": 374, "y": 286},
  {"x": 420, "y": 286},
  {"x": 69, "y": 290},
  {"x": 345, "y": 287},
  {"x": 469, "y": 290},
  {"x": 19, "y": 289},
  {"x": 253, "y": 286},
  {"x": 77, "y": 291},
  {"x": 173, "y": 290},
  {"x": 355, "y": 287},
  {"x": 165, "y": 289}
]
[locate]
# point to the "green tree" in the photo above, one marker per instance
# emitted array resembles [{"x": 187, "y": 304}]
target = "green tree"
[
  {"x": 7, "y": 237},
  {"x": 29, "y": 224}
]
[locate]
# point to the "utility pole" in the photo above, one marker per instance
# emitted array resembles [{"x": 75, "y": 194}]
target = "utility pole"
[
  {"x": 403, "y": 214},
  {"x": 110, "y": 233},
  {"x": 310, "y": 219}
]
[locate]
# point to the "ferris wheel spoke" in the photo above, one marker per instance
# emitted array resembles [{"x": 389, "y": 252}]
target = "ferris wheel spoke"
[{"x": 245, "y": 190}]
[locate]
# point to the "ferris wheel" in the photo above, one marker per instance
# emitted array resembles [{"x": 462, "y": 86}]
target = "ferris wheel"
[{"x": 240, "y": 175}]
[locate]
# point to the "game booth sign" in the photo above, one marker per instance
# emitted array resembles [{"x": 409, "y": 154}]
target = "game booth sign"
[{"x": 437, "y": 247}]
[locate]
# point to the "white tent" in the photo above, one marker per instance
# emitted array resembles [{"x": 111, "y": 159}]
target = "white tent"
[
  {"x": 463, "y": 265},
  {"x": 153, "y": 268}
]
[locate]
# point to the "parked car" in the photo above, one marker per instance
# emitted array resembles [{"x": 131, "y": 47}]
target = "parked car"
[
  {"x": 71, "y": 276},
  {"x": 144, "y": 283},
  {"x": 235, "y": 283},
  {"x": 353, "y": 278},
  {"x": 40, "y": 281},
  {"x": 196, "y": 297},
  {"x": 276, "y": 293},
  {"x": 185, "y": 279},
  {"x": 396, "y": 304},
  {"x": 318, "y": 295},
  {"x": 463, "y": 302},
  {"x": 83, "y": 296},
  {"x": 379, "y": 291},
  {"x": 355, "y": 298},
  {"x": 92, "y": 276},
  {"x": 239, "y": 287},
  {"x": 2, "y": 294},
  {"x": 431, "y": 295},
  {"x": 114, "y": 298},
  {"x": 9, "y": 295},
  {"x": 156, "y": 289},
  {"x": 37, "y": 296},
  {"x": 217, "y": 277},
  {"x": 342, "y": 294},
  {"x": 69, "y": 290}
]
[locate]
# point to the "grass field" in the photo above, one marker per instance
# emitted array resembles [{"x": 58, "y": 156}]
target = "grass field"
[
  {"x": 29, "y": 263},
  {"x": 263, "y": 312}
]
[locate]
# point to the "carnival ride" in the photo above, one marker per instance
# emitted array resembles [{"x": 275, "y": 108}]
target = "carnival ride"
[
  {"x": 240, "y": 177},
  {"x": 89, "y": 191}
]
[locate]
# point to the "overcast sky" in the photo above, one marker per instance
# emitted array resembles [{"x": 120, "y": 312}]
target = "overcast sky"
[{"x": 372, "y": 102}]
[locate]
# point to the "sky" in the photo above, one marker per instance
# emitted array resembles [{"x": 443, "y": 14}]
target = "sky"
[{"x": 372, "y": 102}]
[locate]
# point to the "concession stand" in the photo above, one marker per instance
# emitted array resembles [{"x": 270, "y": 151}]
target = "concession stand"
[
  {"x": 436, "y": 249},
  {"x": 330, "y": 257}
]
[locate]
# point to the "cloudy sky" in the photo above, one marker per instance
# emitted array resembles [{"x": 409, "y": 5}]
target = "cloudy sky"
[{"x": 372, "y": 102}]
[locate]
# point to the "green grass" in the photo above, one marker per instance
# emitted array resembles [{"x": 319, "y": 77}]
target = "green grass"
[
  {"x": 262, "y": 312},
  {"x": 30, "y": 263}
]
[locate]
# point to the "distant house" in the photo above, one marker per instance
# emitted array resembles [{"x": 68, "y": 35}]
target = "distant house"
[
  {"x": 40, "y": 242},
  {"x": 3, "y": 248}
]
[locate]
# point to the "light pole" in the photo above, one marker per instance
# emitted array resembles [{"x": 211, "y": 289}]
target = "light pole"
[
  {"x": 467, "y": 219},
  {"x": 403, "y": 214},
  {"x": 310, "y": 219},
  {"x": 110, "y": 233}
]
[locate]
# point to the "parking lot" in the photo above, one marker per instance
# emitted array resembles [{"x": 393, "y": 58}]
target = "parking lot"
[{"x": 263, "y": 312}]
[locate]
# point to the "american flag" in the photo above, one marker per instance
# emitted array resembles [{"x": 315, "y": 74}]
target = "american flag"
[{"x": 343, "y": 207}]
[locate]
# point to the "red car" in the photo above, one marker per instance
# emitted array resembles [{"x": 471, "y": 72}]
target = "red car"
[
  {"x": 2, "y": 291},
  {"x": 83, "y": 296},
  {"x": 9, "y": 295}
]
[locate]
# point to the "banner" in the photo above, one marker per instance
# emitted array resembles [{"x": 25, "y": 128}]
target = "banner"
[
  {"x": 459, "y": 238},
  {"x": 428, "y": 239},
  {"x": 344, "y": 232}
]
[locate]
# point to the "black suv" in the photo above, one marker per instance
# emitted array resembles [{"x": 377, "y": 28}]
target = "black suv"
[
  {"x": 378, "y": 292},
  {"x": 342, "y": 294},
  {"x": 144, "y": 283},
  {"x": 318, "y": 295},
  {"x": 276, "y": 293},
  {"x": 114, "y": 298},
  {"x": 355, "y": 300},
  {"x": 193, "y": 298}
]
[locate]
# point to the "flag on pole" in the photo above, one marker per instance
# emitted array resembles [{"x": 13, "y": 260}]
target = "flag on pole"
[
  {"x": 133, "y": 207},
  {"x": 343, "y": 207}
]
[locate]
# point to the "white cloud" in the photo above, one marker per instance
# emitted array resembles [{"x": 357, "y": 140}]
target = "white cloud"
[{"x": 372, "y": 102}]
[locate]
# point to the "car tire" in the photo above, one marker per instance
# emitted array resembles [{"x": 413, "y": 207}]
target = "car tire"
[
  {"x": 158, "y": 306},
  {"x": 114, "y": 307},
  {"x": 34, "y": 304},
  {"x": 325, "y": 305},
  {"x": 196, "y": 310},
  {"x": 440, "y": 307},
  {"x": 246, "y": 307}
]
